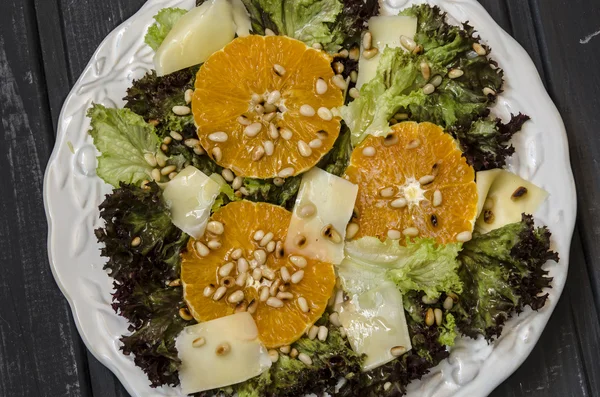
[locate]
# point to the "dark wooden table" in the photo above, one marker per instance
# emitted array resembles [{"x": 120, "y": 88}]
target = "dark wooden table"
[{"x": 44, "y": 46}]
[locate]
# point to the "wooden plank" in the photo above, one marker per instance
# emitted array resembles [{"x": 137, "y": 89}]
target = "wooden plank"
[
  {"x": 40, "y": 353},
  {"x": 557, "y": 366}
]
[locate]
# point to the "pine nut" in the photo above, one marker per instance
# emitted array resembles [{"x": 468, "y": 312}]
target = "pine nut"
[
  {"x": 168, "y": 169},
  {"x": 227, "y": 174},
  {"x": 208, "y": 290},
  {"x": 426, "y": 179},
  {"x": 407, "y": 43},
  {"x": 273, "y": 355},
  {"x": 399, "y": 203},
  {"x": 237, "y": 182},
  {"x": 274, "y": 302},
  {"x": 136, "y": 241},
  {"x": 315, "y": 143},
  {"x": 264, "y": 294},
  {"x": 181, "y": 110},
  {"x": 252, "y": 306},
  {"x": 436, "y": 81},
  {"x": 354, "y": 93},
  {"x": 268, "y": 273},
  {"x": 226, "y": 269},
  {"x": 269, "y": 147},
  {"x": 286, "y": 172},
  {"x": 214, "y": 244},
  {"x": 285, "y": 296},
  {"x": 354, "y": 76},
  {"x": 338, "y": 67},
  {"x": 488, "y": 91},
  {"x": 438, "y": 316},
  {"x": 425, "y": 71},
  {"x": 448, "y": 303},
  {"x": 394, "y": 234},
  {"x": 236, "y": 297},
  {"x": 273, "y": 131},
  {"x": 321, "y": 86},
  {"x": 243, "y": 120},
  {"x": 455, "y": 73},
  {"x": 274, "y": 287},
  {"x": 429, "y": 317},
  {"x": 304, "y": 149},
  {"x": 242, "y": 265},
  {"x": 368, "y": 54},
  {"x": 187, "y": 96},
  {"x": 285, "y": 349},
  {"x": 184, "y": 313},
  {"x": 219, "y": 293},
  {"x": 324, "y": 113},
  {"x": 253, "y": 129},
  {"x": 428, "y": 89},
  {"x": 307, "y": 110},
  {"x": 198, "y": 150},
  {"x": 323, "y": 332},
  {"x": 285, "y": 274},
  {"x": 387, "y": 192},
  {"x": 351, "y": 230},
  {"x": 479, "y": 49},
  {"x": 215, "y": 227},
  {"x": 218, "y": 136},
  {"x": 241, "y": 279},
  {"x": 305, "y": 359},
  {"x": 397, "y": 351},
  {"x": 271, "y": 246},
  {"x": 334, "y": 318},
  {"x": 338, "y": 81},
  {"x": 367, "y": 40},
  {"x": 285, "y": 134},
  {"x": 269, "y": 32},
  {"x": 313, "y": 332},
  {"x": 260, "y": 256},
  {"x": 299, "y": 261},
  {"x": 303, "y": 304},
  {"x": 354, "y": 53},
  {"x": 217, "y": 154},
  {"x": 307, "y": 210},
  {"x": 273, "y": 97},
  {"x": 266, "y": 239},
  {"x": 437, "y": 198},
  {"x": 369, "y": 151},
  {"x": 297, "y": 276},
  {"x": 463, "y": 237},
  {"x": 278, "y": 69},
  {"x": 411, "y": 232},
  {"x": 199, "y": 342},
  {"x": 201, "y": 249}
]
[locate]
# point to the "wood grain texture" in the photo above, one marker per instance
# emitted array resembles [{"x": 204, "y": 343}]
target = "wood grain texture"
[
  {"x": 40, "y": 351},
  {"x": 44, "y": 46}
]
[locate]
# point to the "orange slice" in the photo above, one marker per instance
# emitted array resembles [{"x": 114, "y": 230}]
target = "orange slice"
[
  {"x": 263, "y": 106},
  {"x": 241, "y": 236},
  {"x": 414, "y": 182}
]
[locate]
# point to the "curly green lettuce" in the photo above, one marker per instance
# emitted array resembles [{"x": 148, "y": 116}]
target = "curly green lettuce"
[
  {"x": 143, "y": 248},
  {"x": 330, "y": 23},
  {"x": 421, "y": 265},
  {"x": 124, "y": 140},
  {"x": 502, "y": 272},
  {"x": 165, "y": 20}
]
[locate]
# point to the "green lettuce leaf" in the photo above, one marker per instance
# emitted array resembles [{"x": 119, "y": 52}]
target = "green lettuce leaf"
[
  {"x": 447, "y": 331},
  {"x": 141, "y": 274},
  {"x": 502, "y": 273},
  {"x": 123, "y": 138},
  {"x": 165, "y": 20},
  {"x": 266, "y": 191},
  {"x": 331, "y": 23},
  {"x": 421, "y": 265}
]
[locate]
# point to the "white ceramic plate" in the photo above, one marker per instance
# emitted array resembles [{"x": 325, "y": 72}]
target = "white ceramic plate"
[{"x": 72, "y": 193}]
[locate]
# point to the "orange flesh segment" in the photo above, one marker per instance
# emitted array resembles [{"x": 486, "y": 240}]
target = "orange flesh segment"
[
  {"x": 224, "y": 87},
  {"x": 398, "y": 166},
  {"x": 276, "y": 326}
]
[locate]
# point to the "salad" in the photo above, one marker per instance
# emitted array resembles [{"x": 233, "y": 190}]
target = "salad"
[{"x": 311, "y": 198}]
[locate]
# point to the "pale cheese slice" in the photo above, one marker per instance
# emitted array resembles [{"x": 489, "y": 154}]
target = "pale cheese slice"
[
  {"x": 333, "y": 198},
  {"x": 190, "y": 196},
  {"x": 386, "y": 31},
  {"x": 484, "y": 180},
  {"x": 196, "y": 36},
  {"x": 203, "y": 369},
  {"x": 376, "y": 326},
  {"x": 502, "y": 206}
]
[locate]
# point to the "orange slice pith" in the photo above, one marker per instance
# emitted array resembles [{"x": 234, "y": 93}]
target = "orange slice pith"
[
  {"x": 393, "y": 199},
  {"x": 258, "y": 66},
  {"x": 277, "y": 326}
]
